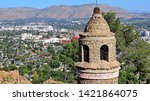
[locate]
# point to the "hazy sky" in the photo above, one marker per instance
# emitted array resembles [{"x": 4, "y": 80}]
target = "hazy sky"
[{"x": 131, "y": 5}]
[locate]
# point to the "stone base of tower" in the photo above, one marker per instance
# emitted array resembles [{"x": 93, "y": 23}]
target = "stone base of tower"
[
  {"x": 98, "y": 73},
  {"x": 106, "y": 81}
]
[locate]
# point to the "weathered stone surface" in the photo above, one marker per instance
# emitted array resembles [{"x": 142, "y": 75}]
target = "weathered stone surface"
[
  {"x": 107, "y": 81},
  {"x": 95, "y": 44},
  {"x": 101, "y": 65},
  {"x": 98, "y": 76}
]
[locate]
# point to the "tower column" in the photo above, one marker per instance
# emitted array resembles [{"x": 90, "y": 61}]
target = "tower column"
[{"x": 98, "y": 64}]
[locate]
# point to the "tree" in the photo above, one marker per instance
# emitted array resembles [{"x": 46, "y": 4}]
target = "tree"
[
  {"x": 35, "y": 77},
  {"x": 70, "y": 55},
  {"x": 123, "y": 76},
  {"x": 125, "y": 34},
  {"x": 136, "y": 52},
  {"x": 51, "y": 50},
  {"x": 55, "y": 62},
  {"x": 43, "y": 73},
  {"x": 24, "y": 70},
  {"x": 71, "y": 50},
  {"x": 113, "y": 22},
  {"x": 10, "y": 67}
]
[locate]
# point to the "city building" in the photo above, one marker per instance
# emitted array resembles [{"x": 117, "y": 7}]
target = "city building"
[
  {"x": 26, "y": 36},
  {"x": 98, "y": 64},
  {"x": 145, "y": 35}
]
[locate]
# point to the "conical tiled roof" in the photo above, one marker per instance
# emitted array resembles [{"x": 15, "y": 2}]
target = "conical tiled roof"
[{"x": 97, "y": 25}]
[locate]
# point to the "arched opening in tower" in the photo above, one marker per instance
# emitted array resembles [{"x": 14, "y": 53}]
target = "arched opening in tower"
[
  {"x": 86, "y": 53},
  {"x": 104, "y": 52}
]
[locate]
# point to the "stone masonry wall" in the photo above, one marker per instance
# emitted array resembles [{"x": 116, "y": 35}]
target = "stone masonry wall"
[
  {"x": 94, "y": 44},
  {"x": 108, "y": 81}
]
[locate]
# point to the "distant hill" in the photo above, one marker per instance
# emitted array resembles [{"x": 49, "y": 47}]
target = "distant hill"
[
  {"x": 62, "y": 12},
  {"x": 17, "y": 13}
]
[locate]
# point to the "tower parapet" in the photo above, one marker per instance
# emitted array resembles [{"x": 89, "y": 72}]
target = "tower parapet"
[{"x": 98, "y": 64}]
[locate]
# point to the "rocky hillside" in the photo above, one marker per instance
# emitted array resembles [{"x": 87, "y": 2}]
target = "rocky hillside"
[{"x": 12, "y": 77}]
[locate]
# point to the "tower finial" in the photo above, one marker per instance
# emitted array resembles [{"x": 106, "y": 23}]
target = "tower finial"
[{"x": 96, "y": 3}]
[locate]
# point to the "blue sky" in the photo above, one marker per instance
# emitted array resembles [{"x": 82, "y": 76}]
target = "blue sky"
[{"x": 131, "y": 5}]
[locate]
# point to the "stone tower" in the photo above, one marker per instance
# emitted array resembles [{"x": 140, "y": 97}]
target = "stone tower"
[{"x": 98, "y": 64}]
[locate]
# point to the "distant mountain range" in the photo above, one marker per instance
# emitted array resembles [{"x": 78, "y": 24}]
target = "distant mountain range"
[{"x": 64, "y": 12}]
